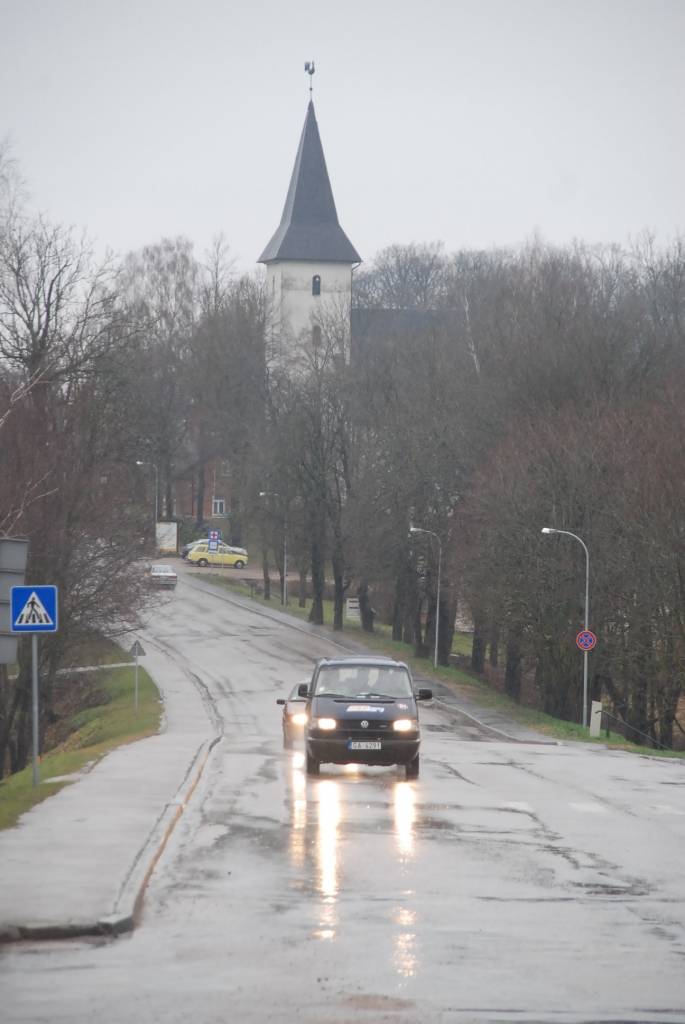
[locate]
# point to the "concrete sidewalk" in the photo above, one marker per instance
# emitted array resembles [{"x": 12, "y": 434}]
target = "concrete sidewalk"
[{"x": 78, "y": 863}]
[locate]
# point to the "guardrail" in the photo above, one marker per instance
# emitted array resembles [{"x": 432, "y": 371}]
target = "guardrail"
[{"x": 626, "y": 725}]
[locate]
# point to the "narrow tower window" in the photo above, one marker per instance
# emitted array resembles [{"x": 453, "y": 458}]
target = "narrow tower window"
[{"x": 316, "y": 285}]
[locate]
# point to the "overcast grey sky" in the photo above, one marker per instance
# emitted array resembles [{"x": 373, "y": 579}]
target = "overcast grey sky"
[{"x": 475, "y": 122}]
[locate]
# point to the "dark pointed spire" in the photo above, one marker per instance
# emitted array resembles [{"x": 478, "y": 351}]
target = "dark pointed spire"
[{"x": 309, "y": 228}]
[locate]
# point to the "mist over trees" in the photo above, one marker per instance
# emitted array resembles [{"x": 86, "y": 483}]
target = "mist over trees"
[
  {"x": 482, "y": 396},
  {"x": 106, "y": 369},
  {"x": 542, "y": 387}
]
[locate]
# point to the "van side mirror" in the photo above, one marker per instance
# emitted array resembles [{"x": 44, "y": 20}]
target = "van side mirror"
[
  {"x": 303, "y": 690},
  {"x": 424, "y": 694}
]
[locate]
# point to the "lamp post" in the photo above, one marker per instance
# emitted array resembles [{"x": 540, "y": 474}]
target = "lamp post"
[
  {"x": 567, "y": 533},
  {"x": 145, "y": 462},
  {"x": 417, "y": 529},
  {"x": 284, "y": 593}
]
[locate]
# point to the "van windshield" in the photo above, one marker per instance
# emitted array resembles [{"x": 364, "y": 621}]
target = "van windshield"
[{"x": 363, "y": 681}]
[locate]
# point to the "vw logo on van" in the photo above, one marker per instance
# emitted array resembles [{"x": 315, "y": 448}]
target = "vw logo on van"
[{"x": 365, "y": 724}]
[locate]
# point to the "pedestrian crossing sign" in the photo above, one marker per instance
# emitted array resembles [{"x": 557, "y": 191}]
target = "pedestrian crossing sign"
[{"x": 34, "y": 609}]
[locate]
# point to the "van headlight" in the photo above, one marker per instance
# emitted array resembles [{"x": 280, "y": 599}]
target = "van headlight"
[
  {"x": 405, "y": 725},
  {"x": 326, "y": 723}
]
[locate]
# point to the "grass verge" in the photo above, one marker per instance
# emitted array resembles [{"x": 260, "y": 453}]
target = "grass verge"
[
  {"x": 464, "y": 683},
  {"x": 92, "y": 733}
]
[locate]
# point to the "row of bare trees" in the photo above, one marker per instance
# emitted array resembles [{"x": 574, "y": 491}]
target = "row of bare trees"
[
  {"x": 104, "y": 365},
  {"x": 61, "y": 437},
  {"x": 489, "y": 395}
]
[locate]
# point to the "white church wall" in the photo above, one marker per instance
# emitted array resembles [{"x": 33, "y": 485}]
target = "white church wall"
[{"x": 290, "y": 284}]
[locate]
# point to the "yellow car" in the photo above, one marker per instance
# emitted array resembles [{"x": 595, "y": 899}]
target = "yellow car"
[{"x": 224, "y": 555}]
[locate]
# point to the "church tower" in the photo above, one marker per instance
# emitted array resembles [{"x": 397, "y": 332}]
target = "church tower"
[{"x": 309, "y": 260}]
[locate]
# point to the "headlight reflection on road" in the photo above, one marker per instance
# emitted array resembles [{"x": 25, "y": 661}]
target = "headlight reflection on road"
[
  {"x": 405, "y": 958},
  {"x": 327, "y": 854},
  {"x": 405, "y": 817},
  {"x": 405, "y": 943},
  {"x": 298, "y": 789}
]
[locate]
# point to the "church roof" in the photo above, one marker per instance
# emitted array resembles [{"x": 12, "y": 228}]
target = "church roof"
[{"x": 309, "y": 228}]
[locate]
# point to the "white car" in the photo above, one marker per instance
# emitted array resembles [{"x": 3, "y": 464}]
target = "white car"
[{"x": 162, "y": 576}]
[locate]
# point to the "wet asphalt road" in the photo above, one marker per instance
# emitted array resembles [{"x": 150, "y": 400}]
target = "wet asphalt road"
[{"x": 511, "y": 882}]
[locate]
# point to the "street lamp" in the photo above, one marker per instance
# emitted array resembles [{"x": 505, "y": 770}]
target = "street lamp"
[
  {"x": 145, "y": 462},
  {"x": 566, "y": 533},
  {"x": 284, "y": 594},
  {"x": 417, "y": 529}
]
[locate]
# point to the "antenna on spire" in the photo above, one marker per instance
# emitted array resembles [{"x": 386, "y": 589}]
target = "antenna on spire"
[{"x": 310, "y": 69}]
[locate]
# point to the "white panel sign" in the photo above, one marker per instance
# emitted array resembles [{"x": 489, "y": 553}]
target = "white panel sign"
[{"x": 167, "y": 538}]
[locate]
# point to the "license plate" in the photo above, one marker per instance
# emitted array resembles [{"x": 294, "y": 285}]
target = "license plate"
[{"x": 364, "y": 745}]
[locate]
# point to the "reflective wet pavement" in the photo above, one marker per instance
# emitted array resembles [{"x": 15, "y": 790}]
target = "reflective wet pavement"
[{"x": 510, "y": 882}]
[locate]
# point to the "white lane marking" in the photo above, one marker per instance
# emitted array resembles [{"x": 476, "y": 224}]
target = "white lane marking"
[{"x": 589, "y": 808}]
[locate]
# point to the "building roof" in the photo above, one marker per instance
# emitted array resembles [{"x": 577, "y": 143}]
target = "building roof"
[
  {"x": 309, "y": 228},
  {"x": 374, "y": 330}
]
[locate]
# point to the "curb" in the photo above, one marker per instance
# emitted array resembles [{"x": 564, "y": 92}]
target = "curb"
[
  {"x": 497, "y": 733},
  {"x": 132, "y": 892}
]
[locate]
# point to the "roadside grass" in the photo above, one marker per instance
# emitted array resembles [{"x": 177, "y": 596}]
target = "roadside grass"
[
  {"x": 95, "y": 731},
  {"x": 99, "y": 651},
  {"x": 465, "y": 683}
]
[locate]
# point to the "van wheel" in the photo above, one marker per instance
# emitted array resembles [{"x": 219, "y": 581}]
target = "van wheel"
[
  {"x": 312, "y": 765},
  {"x": 412, "y": 768},
  {"x": 239, "y": 565},
  {"x": 202, "y": 561}
]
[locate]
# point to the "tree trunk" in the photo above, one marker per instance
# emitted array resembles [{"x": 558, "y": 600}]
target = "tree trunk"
[
  {"x": 366, "y": 612},
  {"x": 445, "y": 632},
  {"x": 168, "y": 495},
  {"x": 478, "y": 645},
  {"x": 265, "y": 574},
  {"x": 665, "y": 722},
  {"x": 317, "y": 567},
  {"x": 201, "y": 484},
  {"x": 338, "y": 591},
  {"x": 20, "y": 741},
  {"x": 420, "y": 644},
  {"x": 494, "y": 644},
  {"x": 644, "y": 670},
  {"x": 11, "y": 706},
  {"x": 411, "y": 628},
  {"x": 512, "y": 673},
  {"x": 399, "y": 604},
  {"x": 236, "y": 523},
  {"x": 302, "y": 599},
  {"x": 281, "y": 570}
]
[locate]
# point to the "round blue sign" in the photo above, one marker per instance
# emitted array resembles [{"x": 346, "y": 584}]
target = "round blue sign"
[{"x": 586, "y": 640}]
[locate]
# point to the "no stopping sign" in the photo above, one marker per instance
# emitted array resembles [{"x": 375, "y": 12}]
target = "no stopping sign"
[{"x": 586, "y": 640}]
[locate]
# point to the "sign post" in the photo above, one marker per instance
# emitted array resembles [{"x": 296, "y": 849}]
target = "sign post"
[
  {"x": 213, "y": 538},
  {"x": 136, "y": 651},
  {"x": 34, "y": 610},
  {"x": 585, "y": 641}
]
